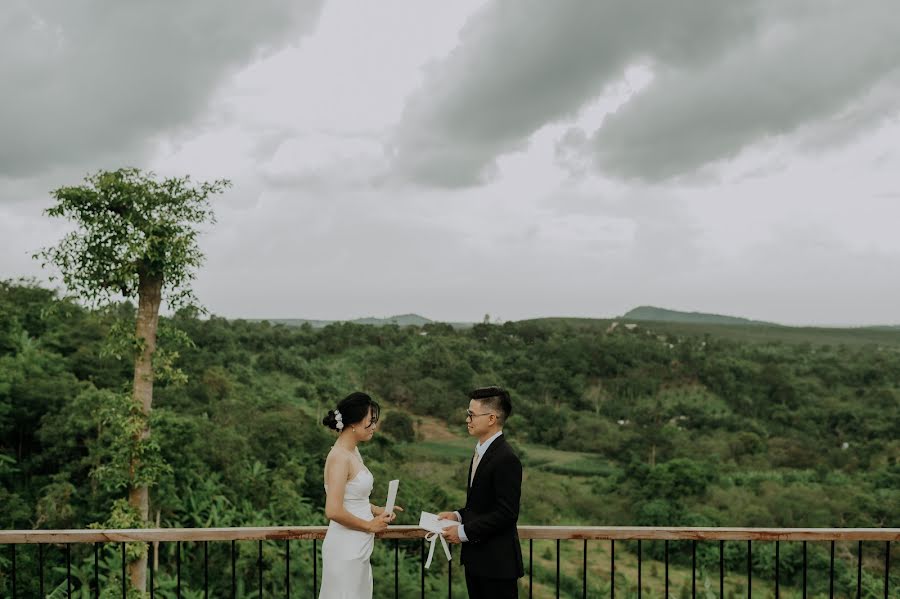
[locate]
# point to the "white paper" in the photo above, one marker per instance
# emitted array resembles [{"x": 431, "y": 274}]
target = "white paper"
[
  {"x": 392, "y": 496},
  {"x": 435, "y": 528},
  {"x": 432, "y": 523}
]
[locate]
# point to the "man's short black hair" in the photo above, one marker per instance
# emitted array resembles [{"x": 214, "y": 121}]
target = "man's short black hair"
[{"x": 494, "y": 398}]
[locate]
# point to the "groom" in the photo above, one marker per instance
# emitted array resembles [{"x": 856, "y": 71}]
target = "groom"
[{"x": 490, "y": 553}]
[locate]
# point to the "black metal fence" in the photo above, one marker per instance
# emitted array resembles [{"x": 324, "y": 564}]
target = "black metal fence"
[{"x": 283, "y": 561}]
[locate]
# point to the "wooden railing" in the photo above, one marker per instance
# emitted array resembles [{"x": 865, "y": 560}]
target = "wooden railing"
[{"x": 883, "y": 537}]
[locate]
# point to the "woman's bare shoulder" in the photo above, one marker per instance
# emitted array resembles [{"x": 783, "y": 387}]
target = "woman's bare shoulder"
[
  {"x": 339, "y": 452},
  {"x": 338, "y": 456}
]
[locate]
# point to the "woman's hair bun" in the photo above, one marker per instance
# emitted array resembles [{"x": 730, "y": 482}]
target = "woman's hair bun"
[
  {"x": 330, "y": 421},
  {"x": 351, "y": 410}
]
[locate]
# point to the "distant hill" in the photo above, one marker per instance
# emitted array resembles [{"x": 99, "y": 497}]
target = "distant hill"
[
  {"x": 887, "y": 336},
  {"x": 655, "y": 314},
  {"x": 294, "y": 322},
  {"x": 403, "y": 320}
]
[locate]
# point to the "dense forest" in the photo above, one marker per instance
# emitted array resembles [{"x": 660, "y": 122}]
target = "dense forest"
[{"x": 617, "y": 423}]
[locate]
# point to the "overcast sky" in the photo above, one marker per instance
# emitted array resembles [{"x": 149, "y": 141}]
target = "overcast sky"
[{"x": 518, "y": 158}]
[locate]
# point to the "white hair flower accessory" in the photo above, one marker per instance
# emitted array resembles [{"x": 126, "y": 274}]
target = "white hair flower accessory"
[{"x": 340, "y": 420}]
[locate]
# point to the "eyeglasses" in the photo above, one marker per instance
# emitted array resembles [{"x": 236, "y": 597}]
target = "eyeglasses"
[{"x": 472, "y": 415}]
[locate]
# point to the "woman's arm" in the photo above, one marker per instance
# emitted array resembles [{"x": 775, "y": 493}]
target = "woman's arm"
[{"x": 337, "y": 469}]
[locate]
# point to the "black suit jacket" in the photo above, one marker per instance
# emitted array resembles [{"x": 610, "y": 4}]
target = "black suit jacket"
[{"x": 491, "y": 514}]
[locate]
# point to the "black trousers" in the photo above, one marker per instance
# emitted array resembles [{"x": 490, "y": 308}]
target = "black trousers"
[{"x": 480, "y": 587}]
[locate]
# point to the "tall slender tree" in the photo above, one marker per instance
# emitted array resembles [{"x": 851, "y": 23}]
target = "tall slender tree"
[{"x": 135, "y": 237}]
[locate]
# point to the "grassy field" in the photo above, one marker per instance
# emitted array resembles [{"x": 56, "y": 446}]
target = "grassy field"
[{"x": 534, "y": 456}]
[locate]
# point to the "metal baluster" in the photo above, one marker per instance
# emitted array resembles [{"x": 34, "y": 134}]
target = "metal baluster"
[
  {"x": 831, "y": 574},
  {"x": 396, "y": 568},
  {"x": 777, "y": 570},
  {"x": 68, "y": 570},
  {"x": 12, "y": 550},
  {"x": 804, "y": 569},
  {"x": 287, "y": 568},
  {"x": 422, "y": 566},
  {"x": 530, "y": 567},
  {"x": 259, "y": 568},
  {"x": 859, "y": 570},
  {"x": 206, "y": 569},
  {"x": 450, "y": 575},
  {"x": 315, "y": 569},
  {"x": 749, "y": 569},
  {"x": 178, "y": 569},
  {"x": 694, "y": 569},
  {"x": 584, "y": 571},
  {"x": 124, "y": 577},
  {"x": 233, "y": 571},
  {"x": 639, "y": 570},
  {"x": 666, "y": 545},
  {"x": 887, "y": 567},
  {"x": 151, "y": 559},
  {"x": 96, "y": 574},
  {"x": 721, "y": 569},
  {"x": 41, "y": 568},
  {"x": 612, "y": 569},
  {"x": 557, "y": 568}
]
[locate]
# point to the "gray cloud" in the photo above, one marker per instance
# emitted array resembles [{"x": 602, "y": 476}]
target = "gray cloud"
[
  {"x": 871, "y": 110},
  {"x": 520, "y": 65},
  {"x": 727, "y": 74},
  {"x": 95, "y": 80},
  {"x": 767, "y": 87}
]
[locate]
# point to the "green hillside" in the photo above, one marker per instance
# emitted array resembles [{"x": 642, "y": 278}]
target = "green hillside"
[
  {"x": 740, "y": 333},
  {"x": 656, "y": 424},
  {"x": 664, "y": 315}
]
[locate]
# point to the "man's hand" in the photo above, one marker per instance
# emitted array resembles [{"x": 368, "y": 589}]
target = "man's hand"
[
  {"x": 447, "y": 516},
  {"x": 451, "y": 534}
]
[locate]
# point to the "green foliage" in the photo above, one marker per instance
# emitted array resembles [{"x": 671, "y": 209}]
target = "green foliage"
[
  {"x": 130, "y": 225},
  {"x": 123, "y": 515},
  {"x": 619, "y": 428},
  {"x": 121, "y": 454},
  {"x": 399, "y": 425},
  {"x": 54, "y": 507},
  {"x": 134, "y": 237}
]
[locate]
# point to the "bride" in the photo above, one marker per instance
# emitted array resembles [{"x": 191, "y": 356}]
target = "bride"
[{"x": 346, "y": 573}]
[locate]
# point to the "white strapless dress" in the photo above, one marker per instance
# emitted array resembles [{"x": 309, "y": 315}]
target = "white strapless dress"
[{"x": 346, "y": 571}]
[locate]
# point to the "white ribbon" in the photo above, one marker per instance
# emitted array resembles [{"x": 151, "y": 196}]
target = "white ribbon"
[{"x": 434, "y": 536}]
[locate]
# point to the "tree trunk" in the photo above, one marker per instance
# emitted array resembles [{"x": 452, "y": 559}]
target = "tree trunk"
[{"x": 149, "y": 298}]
